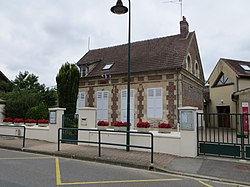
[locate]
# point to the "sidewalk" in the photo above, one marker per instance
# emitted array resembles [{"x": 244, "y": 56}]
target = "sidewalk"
[{"x": 227, "y": 170}]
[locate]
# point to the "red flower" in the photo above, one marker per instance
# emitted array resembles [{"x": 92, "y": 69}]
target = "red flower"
[
  {"x": 8, "y": 119},
  {"x": 30, "y": 121},
  {"x": 43, "y": 121},
  {"x": 120, "y": 124},
  {"x": 143, "y": 124},
  {"x": 165, "y": 125},
  {"x": 103, "y": 123},
  {"x": 18, "y": 120}
]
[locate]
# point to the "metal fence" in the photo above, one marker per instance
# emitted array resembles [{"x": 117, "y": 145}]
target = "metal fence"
[
  {"x": 223, "y": 134},
  {"x": 100, "y": 142},
  {"x": 16, "y": 135}
]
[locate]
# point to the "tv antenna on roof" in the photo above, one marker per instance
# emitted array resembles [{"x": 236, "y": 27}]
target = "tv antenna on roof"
[{"x": 177, "y": 2}]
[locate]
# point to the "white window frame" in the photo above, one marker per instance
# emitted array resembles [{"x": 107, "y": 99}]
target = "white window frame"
[
  {"x": 155, "y": 103},
  {"x": 80, "y": 100}
]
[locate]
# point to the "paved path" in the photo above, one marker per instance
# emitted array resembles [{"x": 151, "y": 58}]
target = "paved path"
[{"x": 228, "y": 170}]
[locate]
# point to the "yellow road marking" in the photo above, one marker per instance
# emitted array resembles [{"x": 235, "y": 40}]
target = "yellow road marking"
[
  {"x": 26, "y": 158},
  {"x": 120, "y": 181},
  {"x": 58, "y": 173},
  {"x": 205, "y": 184},
  {"x": 60, "y": 183}
]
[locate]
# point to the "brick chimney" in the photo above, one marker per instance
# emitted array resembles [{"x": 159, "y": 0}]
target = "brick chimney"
[{"x": 184, "y": 27}]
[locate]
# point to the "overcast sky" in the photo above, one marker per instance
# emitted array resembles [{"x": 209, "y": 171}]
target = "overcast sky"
[{"x": 41, "y": 35}]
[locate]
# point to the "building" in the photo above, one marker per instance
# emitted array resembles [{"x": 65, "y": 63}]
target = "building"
[
  {"x": 229, "y": 87},
  {"x": 166, "y": 73},
  {"x": 3, "y": 80}
]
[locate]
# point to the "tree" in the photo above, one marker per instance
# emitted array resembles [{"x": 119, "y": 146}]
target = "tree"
[
  {"x": 27, "y": 93},
  {"x": 67, "y": 87}
]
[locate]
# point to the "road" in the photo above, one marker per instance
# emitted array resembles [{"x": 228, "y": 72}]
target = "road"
[{"x": 21, "y": 169}]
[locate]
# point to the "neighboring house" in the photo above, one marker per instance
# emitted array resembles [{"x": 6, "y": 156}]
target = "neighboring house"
[
  {"x": 166, "y": 73},
  {"x": 3, "y": 79},
  {"x": 229, "y": 87}
]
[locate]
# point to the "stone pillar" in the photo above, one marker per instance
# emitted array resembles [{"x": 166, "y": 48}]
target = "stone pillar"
[
  {"x": 87, "y": 117},
  {"x": 55, "y": 122},
  {"x": 188, "y": 130}
]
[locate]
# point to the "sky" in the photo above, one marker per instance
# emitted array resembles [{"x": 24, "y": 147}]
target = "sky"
[{"x": 39, "y": 36}]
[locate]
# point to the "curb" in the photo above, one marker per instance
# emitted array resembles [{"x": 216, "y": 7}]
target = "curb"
[{"x": 203, "y": 177}]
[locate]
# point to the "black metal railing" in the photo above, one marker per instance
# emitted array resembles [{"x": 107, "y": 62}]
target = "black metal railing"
[
  {"x": 13, "y": 135},
  {"x": 99, "y": 141}
]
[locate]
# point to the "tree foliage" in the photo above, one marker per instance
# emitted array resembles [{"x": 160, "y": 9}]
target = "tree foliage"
[
  {"x": 67, "y": 87},
  {"x": 26, "y": 93}
]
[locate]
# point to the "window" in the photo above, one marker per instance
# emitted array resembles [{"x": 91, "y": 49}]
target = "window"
[
  {"x": 124, "y": 107},
  {"x": 107, "y": 66},
  {"x": 154, "y": 103},
  {"x": 245, "y": 67},
  {"x": 81, "y": 100},
  {"x": 189, "y": 64},
  {"x": 197, "y": 71},
  {"x": 102, "y": 105},
  {"x": 222, "y": 80},
  {"x": 83, "y": 71}
]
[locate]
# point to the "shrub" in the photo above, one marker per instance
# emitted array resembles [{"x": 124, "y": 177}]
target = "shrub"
[{"x": 38, "y": 112}]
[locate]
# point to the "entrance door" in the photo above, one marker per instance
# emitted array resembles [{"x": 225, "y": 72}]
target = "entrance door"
[{"x": 223, "y": 116}]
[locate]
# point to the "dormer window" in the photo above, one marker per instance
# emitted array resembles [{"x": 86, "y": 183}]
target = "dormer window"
[
  {"x": 84, "y": 71},
  {"x": 107, "y": 67}
]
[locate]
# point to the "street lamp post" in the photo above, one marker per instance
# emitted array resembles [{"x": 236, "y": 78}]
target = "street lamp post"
[{"x": 120, "y": 9}]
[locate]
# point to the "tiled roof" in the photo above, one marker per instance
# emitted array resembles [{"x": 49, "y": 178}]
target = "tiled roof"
[
  {"x": 237, "y": 68},
  {"x": 3, "y": 77},
  {"x": 149, "y": 55}
]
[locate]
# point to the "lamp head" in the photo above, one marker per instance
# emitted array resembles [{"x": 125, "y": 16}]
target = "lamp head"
[{"x": 119, "y": 8}]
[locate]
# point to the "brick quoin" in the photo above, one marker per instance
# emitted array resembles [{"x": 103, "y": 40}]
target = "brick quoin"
[
  {"x": 171, "y": 97},
  {"x": 91, "y": 99},
  {"x": 114, "y": 106}
]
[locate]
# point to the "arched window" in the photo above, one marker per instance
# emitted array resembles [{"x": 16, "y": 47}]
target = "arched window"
[
  {"x": 189, "y": 64},
  {"x": 197, "y": 70}
]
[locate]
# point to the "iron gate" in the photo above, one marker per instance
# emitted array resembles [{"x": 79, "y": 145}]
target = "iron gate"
[
  {"x": 70, "y": 121},
  {"x": 223, "y": 134}
]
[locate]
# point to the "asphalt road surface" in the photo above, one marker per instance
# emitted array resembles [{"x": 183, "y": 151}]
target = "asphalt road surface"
[{"x": 20, "y": 169}]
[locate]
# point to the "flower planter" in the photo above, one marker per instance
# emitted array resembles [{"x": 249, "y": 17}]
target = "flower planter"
[
  {"x": 43, "y": 124},
  {"x": 30, "y": 124},
  {"x": 123, "y": 128},
  {"x": 102, "y": 127},
  {"x": 18, "y": 124},
  {"x": 142, "y": 129},
  {"x": 7, "y": 123},
  {"x": 164, "y": 130}
]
